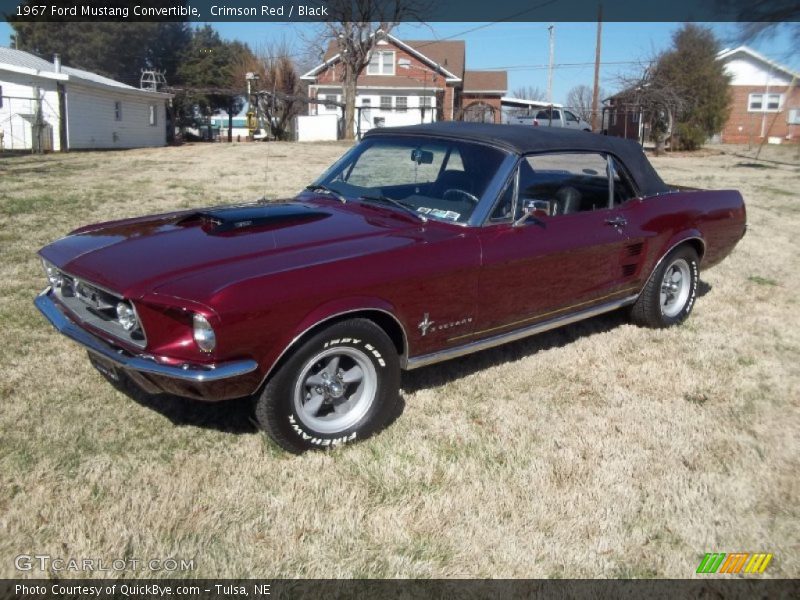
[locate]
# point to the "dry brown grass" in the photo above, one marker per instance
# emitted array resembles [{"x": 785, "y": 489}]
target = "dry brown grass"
[{"x": 598, "y": 450}]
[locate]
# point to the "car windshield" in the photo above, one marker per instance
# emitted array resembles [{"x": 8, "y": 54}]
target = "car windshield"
[{"x": 438, "y": 179}]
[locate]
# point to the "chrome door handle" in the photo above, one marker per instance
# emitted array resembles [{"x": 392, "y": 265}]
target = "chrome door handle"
[{"x": 617, "y": 221}]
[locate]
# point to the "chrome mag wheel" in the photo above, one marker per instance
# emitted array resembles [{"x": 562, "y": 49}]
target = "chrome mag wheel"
[
  {"x": 675, "y": 287},
  {"x": 335, "y": 389}
]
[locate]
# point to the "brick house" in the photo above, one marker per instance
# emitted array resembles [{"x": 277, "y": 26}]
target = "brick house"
[
  {"x": 410, "y": 82},
  {"x": 624, "y": 116},
  {"x": 765, "y": 102}
]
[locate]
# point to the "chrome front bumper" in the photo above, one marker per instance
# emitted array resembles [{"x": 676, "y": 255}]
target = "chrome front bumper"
[{"x": 190, "y": 373}]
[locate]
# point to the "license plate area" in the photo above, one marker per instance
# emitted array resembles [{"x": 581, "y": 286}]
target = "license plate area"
[{"x": 105, "y": 366}]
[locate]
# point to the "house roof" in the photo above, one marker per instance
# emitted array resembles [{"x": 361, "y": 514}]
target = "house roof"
[
  {"x": 24, "y": 62},
  {"x": 485, "y": 81},
  {"x": 731, "y": 53},
  {"x": 523, "y": 139},
  {"x": 445, "y": 56}
]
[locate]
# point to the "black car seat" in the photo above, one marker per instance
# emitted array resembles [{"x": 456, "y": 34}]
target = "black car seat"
[
  {"x": 452, "y": 179},
  {"x": 568, "y": 200}
]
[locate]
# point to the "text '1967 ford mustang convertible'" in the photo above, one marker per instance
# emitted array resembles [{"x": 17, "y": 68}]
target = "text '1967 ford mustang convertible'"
[{"x": 419, "y": 245}]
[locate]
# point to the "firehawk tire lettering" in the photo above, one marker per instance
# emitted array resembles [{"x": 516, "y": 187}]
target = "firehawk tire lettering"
[
  {"x": 647, "y": 310},
  {"x": 275, "y": 407}
]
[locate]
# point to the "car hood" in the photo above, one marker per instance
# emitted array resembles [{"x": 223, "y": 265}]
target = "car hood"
[{"x": 154, "y": 254}]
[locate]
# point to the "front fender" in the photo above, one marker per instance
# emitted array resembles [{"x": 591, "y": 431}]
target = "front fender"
[{"x": 323, "y": 313}]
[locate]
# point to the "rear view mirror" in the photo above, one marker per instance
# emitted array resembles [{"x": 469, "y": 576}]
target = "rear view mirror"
[{"x": 422, "y": 157}]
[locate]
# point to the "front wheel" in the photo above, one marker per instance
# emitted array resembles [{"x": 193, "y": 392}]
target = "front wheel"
[
  {"x": 339, "y": 386},
  {"x": 668, "y": 297}
]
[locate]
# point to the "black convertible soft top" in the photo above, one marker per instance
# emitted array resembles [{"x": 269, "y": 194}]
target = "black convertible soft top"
[{"x": 526, "y": 139}]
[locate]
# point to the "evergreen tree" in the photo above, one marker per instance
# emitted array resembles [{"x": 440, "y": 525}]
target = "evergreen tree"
[
  {"x": 116, "y": 50},
  {"x": 691, "y": 70}
]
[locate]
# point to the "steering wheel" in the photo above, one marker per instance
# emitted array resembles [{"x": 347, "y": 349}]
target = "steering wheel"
[{"x": 460, "y": 194}]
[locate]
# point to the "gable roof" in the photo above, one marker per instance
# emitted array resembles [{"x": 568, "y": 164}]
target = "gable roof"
[
  {"x": 729, "y": 54},
  {"x": 485, "y": 81},
  {"x": 447, "y": 56},
  {"x": 27, "y": 63}
]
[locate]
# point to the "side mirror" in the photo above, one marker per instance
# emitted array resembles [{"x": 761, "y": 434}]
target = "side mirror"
[{"x": 536, "y": 209}]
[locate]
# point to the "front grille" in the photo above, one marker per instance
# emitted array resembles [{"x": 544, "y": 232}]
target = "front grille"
[{"x": 97, "y": 307}]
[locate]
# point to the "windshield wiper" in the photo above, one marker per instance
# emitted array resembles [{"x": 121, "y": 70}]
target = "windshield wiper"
[
  {"x": 401, "y": 205},
  {"x": 319, "y": 187}
]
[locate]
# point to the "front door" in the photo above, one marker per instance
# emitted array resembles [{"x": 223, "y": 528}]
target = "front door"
[{"x": 554, "y": 265}]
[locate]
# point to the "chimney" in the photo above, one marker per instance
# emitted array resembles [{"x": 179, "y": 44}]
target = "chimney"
[{"x": 57, "y": 63}]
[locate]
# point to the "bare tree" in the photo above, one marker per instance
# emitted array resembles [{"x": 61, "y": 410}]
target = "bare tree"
[
  {"x": 356, "y": 27},
  {"x": 764, "y": 18},
  {"x": 657, "y": 100},
  {"x": 579, "y": 98},
  {"x": 529, "y": 92},
  {"x": 280, "y": 89},
  {"x": 277, "y": 90}
]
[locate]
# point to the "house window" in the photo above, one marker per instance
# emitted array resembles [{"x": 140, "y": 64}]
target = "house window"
[
  {"x": 381, "y": 63},
  {"x": 401, "y": 103},
  {"x": 613, "y": 117},
  {"x": 386, "y": 103},
  {"x": 118, "y": 111},
  {"x": 153, "y": 115},
  {"x": 764, "y": 102},
  {"x": 1, "y": 96},
  {"x": 329, "y": 102},
  {"x": 425, "y": 101}
]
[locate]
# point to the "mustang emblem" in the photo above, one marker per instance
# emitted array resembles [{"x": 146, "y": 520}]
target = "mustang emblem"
[{"x": 425, "y": 324}]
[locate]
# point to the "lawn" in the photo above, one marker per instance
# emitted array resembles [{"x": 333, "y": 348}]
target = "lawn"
[{"x": 598, "y": 450}]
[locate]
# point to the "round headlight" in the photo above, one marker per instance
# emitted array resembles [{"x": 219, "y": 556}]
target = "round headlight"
[
  {"x": 203, "y": 334},
  {"x": 53, "y": 274},
  {"x": 126, "y": 316}
]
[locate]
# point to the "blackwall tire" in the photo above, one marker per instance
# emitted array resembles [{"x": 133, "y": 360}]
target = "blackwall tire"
[
  {"x": 670, "y": 293},
  {"x": 339, "y": 386}
]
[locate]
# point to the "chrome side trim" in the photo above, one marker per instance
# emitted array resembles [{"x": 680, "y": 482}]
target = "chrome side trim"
[
  {"x": 517, "y": 334},
  {"x": 195, "y": 373},
  {"x": 671, "y": 248}
]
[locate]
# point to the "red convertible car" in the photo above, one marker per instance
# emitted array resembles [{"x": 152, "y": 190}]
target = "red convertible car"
[{"x": 419, "y": 245}]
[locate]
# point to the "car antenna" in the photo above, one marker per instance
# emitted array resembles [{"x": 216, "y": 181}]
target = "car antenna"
[{"x": 266, "y": 170}]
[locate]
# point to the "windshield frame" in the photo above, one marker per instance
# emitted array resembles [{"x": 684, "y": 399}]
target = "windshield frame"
[{"x": 487, "y": 199}]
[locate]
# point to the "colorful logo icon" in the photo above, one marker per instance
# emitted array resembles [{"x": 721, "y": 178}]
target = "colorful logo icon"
[{"x": 720, "y": 562}]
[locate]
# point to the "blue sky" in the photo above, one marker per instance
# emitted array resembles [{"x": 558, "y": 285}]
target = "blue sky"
[{"x": 522, "y": 47}]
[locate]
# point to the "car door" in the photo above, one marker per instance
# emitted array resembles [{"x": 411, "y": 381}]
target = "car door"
[
  {"x": 553, "y": 265},
  {"x": 571, "y": 120}
]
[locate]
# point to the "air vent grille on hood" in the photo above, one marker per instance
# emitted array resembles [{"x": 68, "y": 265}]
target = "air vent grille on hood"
[{"x": 252, "y": 216}]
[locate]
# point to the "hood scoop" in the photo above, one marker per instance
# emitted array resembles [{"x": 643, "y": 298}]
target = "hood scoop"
[{"x": 252, "y": 217}]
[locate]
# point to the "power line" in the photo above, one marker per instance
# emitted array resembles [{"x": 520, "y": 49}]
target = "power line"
[
  {"x": 485, "y": 25},
  {"x": 557, "y": 66}
]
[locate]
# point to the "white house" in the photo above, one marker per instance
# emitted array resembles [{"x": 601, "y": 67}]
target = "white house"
[
  {"x": 765, "y": 98},
  {"x": 55, "y": 107}
]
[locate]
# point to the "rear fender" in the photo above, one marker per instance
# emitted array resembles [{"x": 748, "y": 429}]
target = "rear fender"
[{"x": 689, "y": 236}]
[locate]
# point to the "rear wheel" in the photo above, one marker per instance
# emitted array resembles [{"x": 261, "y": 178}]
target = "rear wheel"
[
  {"x": 668, "y": 297},
  {"x": 339, "y": 386}
]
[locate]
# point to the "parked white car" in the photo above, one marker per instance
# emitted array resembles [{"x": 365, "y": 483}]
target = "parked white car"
[{"x": 557, "y": 117}]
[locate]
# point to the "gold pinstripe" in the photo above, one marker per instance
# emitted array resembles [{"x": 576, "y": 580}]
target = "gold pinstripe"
[{"x": 540, "y": 316}]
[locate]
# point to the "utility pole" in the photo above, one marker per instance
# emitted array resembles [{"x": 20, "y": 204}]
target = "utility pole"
[
  {"x": 596, "y": 92},
  {"x": 550, "y": 68}
]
